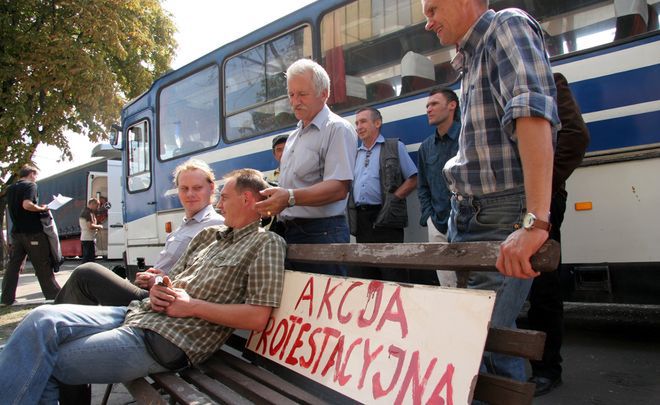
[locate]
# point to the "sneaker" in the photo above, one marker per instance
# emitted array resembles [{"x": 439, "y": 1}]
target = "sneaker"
[{"x": 544, "y": 384}]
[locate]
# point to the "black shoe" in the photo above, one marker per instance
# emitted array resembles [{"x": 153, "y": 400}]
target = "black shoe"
[{"x": 544, "y": 384}]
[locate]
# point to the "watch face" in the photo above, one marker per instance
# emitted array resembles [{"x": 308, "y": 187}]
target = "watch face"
[{"x": 528, "y": 220}]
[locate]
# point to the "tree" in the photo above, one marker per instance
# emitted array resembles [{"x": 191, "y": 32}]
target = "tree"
[{"x": 69, "y": 65}]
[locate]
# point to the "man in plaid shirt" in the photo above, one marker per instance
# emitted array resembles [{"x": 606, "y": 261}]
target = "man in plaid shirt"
[
  {"x": 230, "y": 277},
  {"x": 501, "y": 177}
]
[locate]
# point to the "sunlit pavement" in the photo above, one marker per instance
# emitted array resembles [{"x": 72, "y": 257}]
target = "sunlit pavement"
[{"x": 29, "y": 292}]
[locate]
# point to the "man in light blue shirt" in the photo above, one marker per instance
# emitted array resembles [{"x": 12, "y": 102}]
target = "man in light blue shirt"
[
  {"x": 93, "y": 284},
  {"x": 380, "y": 189}
]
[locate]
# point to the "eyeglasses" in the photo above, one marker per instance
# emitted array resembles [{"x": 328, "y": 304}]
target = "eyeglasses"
[{"x": 366, "y": 159}]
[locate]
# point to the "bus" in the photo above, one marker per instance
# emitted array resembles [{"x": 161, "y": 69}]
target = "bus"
[
  {"x": 100, "y": 179},
  {"x": 227, "y": 106}
]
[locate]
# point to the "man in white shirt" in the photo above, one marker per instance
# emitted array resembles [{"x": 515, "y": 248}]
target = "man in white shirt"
[
  {"x": 93, "y": 284},
  {"x": 316, "y": 168}
]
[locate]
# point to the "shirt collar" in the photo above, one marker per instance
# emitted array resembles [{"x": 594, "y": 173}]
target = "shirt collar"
[
  {"x": 454, "y": 130},
  {"x": 203, "y": 213},
  {"x": 380, "y": 139},
  {"x": 475, "y": 34},
  {"x": 452, "y": 133},
  {"x": 232, "y": 234},
  {"x": 319, "y": 119}
]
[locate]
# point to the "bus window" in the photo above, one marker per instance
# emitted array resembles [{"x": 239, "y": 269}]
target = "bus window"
[
  {"x": 255, "y": 85},
  {"x": 189, "y": 114},
  {"x": 139, "y": 169},
  {"x": 576, "y": 25},
  {"x": 377, "y": 49}
]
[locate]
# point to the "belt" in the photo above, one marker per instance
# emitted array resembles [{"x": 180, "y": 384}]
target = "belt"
[
  {"x": 366, "y": 207},
  {"x": 302, "y": 221}
]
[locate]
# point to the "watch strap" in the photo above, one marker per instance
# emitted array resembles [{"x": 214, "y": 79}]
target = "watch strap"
[
  {"x": 538, "y": 223},
  {"x": 292, "y": 198}
]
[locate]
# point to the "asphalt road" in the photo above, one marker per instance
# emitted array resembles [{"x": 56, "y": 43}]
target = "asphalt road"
[
  {"x": 611, "y": 353},
  {"x": 611, "y": 356}
]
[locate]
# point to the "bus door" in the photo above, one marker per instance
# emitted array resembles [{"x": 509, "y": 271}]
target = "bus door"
[
  {"x": 140, "y": 196},
  {"x": 116, "y": 237}
]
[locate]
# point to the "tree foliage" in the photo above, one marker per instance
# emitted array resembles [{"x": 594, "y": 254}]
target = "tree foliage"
[{"x": 71, "y": 65}]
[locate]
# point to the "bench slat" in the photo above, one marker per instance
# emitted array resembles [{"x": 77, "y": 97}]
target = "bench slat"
[
  {"x": 273, "y": 381},
  {"x": 516, "y": 342},
  {"x": 497, "y": 390},
  {"x": 144, "y": 393},
  {"x": 220, "y": 392},
  {"x": 180, "y": 390},
  {"x": 464, "y": 256},
  {"x": 243, "y": 384}
]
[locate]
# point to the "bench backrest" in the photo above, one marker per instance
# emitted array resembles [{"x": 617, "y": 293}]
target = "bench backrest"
[{"x": 479, "y": 256}]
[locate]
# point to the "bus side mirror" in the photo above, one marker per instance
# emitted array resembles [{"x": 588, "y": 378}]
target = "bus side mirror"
[{"x": 115, "y": 136}]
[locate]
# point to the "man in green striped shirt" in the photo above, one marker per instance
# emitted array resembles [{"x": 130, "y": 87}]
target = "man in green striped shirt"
[{"x": 230, "y": 277}]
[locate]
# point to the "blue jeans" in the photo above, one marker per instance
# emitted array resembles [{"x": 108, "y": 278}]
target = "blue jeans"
[
  {"x": 317, "y": 231},
  {"x": 490, "y": 218},
  {"x": 70, "y": 344}
]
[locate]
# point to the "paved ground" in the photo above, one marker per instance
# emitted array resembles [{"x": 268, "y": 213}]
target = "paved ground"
[{"x": 28, "y": 292}]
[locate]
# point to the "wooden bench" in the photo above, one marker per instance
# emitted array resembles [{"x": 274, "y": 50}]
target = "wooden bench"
[{"x": 235, "y": 375}]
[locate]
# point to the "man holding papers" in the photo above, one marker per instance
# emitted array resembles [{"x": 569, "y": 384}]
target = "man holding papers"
[{"x": 28, "y": 238}]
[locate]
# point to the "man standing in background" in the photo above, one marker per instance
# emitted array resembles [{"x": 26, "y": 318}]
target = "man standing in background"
[
  {"x": 28, "y": 237},
  {"x": 384, "y": 176},
  {"x": 88, "y": 229},
  {"x": 443, "y": 112},
  {"x": 546, "y": 306},
  {"x": 278, "y": 149}
]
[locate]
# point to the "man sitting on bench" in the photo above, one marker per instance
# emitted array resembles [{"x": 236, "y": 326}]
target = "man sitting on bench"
[
  {"x": 230, "y": 277},
  {"x": 93, "y": 284}
]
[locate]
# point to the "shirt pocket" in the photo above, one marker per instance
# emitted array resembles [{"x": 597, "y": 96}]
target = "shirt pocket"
[
  {"x": 217, "y": 279},
  {"x": 308, "y": 165},
  {"x": 431, "y": 159}
]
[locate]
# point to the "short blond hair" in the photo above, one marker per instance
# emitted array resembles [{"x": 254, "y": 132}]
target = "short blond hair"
[{"x": 193, "y": 164}]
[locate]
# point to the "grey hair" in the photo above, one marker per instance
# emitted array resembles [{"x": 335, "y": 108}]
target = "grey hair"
[{"x": 320, "y": 78}]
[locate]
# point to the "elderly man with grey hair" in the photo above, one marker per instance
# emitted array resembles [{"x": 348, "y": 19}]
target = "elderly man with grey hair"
[{"x": 316, "y": 167}]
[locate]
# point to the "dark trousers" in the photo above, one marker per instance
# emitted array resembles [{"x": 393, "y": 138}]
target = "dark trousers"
[
  {"x": 368, "y": 233},
  {"x": 93, "y": 284},
  {"x": 88, "y": 251},
  {"x": 316, "y": 231},
  {"x": 35, "y": 246},
  {"x": 546, "y": 310}
]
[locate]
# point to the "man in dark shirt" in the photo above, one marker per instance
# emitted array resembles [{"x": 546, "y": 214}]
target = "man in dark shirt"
[
  {"x": 443, "y": 113},
  {"x": 28, "y": 238},
  {"x": 546, "y": 308}
]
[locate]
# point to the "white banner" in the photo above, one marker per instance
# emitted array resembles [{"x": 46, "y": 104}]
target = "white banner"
[{"x": 379, "y": 342}]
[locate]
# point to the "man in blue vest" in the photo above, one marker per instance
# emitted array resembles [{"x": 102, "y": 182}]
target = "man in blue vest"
[{"x": 384, "y": 176}]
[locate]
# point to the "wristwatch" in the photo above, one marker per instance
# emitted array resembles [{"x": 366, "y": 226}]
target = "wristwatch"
[
  {"x": 530, "y": 221},
  {"x": 292, "y": 199}
]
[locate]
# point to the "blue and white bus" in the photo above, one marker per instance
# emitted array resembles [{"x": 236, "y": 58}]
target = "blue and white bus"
[{"x": 226, "y": 106}]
